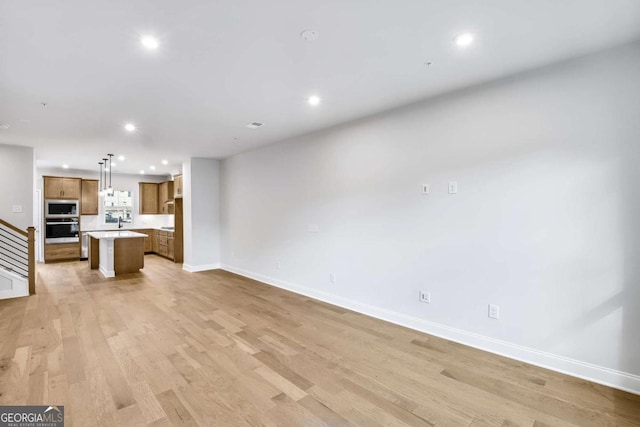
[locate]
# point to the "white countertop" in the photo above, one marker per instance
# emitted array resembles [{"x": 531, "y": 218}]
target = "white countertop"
[
  {"x": 115, "y": 234},
  {"x": 128, "y": 228}
]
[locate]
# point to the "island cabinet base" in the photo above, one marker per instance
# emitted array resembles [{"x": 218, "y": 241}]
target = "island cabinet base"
[
  {"x": 116, "y": 256},
  {"x": 128, "y": 255},
  {"x": 94, "y": 253}
]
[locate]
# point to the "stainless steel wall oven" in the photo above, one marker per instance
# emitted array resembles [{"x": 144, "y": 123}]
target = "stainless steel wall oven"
[{"x": 62, "y": 230}]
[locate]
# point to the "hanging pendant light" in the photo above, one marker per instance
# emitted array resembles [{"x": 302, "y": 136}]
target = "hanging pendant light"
[
  {"x": 110, "y": 190},
  {"x": 105, "y": 190},
  {"x": 100, "y": 181},
  {"x": 104, "y": 182}
]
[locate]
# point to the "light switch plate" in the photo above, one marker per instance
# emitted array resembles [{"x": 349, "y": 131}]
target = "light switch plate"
[
  {"x": 314, "y": 228},
  {"x": 16, "y": 208},
  {"x": 425, "y": 189}
]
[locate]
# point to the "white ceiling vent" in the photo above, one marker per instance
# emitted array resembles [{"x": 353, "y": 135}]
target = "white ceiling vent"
[
  {"x": 4, "y": 126},
  {"x": 255, "y": 125}
]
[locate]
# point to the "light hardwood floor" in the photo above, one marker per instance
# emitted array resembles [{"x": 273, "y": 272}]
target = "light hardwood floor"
[{"x": 165, "y": 347}]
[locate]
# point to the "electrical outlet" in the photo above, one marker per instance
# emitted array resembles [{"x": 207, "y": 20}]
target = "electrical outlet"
[
  {"x": 425, "y": 297},
  {"x": 425, "y": 189},
  {"x": 332, "y": 278},
  {"x": 494, "y": 311},
  {"x": 453, "y": 187},
  {"x": 313, "y": 228}
]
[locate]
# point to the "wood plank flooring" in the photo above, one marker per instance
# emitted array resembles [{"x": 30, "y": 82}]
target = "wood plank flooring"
[{"x": 164, "y": 347}]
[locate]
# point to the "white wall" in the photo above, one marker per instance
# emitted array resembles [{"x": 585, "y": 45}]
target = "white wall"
[
  {"x": 119, "y": 182},
  {"x": 201, "y": 183},
  {"x": 545, "y": 222},
  {"x": 16, "y": 176}
]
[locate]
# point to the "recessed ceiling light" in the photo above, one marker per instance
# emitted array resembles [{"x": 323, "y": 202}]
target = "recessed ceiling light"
[
  {"x": 106, "y": 169},
  {"x": 149, "y": 42},
  {"x": 121, "y": 158},
  {"x": 314, "y": 100},
  {"x": 152, "y": 167},
  {"x": 464, "y": 39},
  {"x": 142, "y": 172},
  {"x": 130, "y": 127},
  {"x": 113, "y": 165},
  {"x": 65, "y": 166},
  {"x": 165, "y": 162}
]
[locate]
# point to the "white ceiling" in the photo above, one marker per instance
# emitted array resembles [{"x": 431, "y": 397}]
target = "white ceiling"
[{"x": 224, "y": 64}]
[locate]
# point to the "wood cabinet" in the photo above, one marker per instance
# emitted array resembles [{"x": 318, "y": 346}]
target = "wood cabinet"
[
  {"x": 162, "y": 243},
  {"x": 156, "y": 198},
  {"x": 148, "y": 241},
  {"x": 71, "y": 188},
  {"x": 62, "y": 188},
  {"x": 89, "y": 204},
  {"x": 61, "y": 252},
  {"x": 154, "y": 241},
  {"x": 170, "y": 247},
  {"x": 177, "y": 186},
  {"x": 165, "y": 197},
  {"x": 148, "y": 198},
  {"x": 178, "y": 222},
  {"x": 165, "y": 244},
  {"x": 128, "y": 255}
]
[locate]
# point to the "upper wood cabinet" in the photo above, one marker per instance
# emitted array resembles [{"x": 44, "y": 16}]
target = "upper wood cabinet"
[
  {"x": 165, "y": 197},
  {"x": 89, "y": 197},
  {"x": 148, "y": 198},
  {"x": 62, "y": 188},
  {"x": 177, "y": 186},
  {"x": 156, "y": 198}
]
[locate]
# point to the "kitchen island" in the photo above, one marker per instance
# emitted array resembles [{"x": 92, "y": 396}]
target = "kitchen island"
[{"x": 116, "y": 252}]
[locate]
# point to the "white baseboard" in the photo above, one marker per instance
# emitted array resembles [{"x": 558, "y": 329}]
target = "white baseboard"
[
  {"x": 201, "y": 267},
  {"x": 107, "y": 273},
  {"x": 598, "y": 374}
]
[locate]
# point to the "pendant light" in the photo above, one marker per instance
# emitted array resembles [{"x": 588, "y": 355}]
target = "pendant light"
[
  {"x": 110, "y": 190},
  {"x": 100, "y": 181},
  {"x": 105, "y": 190},
  {"x": 104, "y": 181}
]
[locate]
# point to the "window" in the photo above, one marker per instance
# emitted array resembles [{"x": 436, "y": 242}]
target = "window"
[{"x": 118, "y": 205}]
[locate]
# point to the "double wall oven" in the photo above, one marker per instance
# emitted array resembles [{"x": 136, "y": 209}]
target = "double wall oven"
[{"x": 62, "y": 222}]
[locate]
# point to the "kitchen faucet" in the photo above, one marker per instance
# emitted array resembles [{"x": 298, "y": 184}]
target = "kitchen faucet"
[{"x": 119, "y": 222}]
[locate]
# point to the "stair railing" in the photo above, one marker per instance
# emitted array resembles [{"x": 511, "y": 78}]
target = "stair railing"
[{"x": 17, "y": 252}]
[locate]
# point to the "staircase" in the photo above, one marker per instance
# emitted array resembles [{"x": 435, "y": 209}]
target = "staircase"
[{"x": 17, "y": 261}]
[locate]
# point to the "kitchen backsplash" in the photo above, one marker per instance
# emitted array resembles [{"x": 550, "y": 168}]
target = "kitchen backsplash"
[{"x": 92, "y": 222}]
